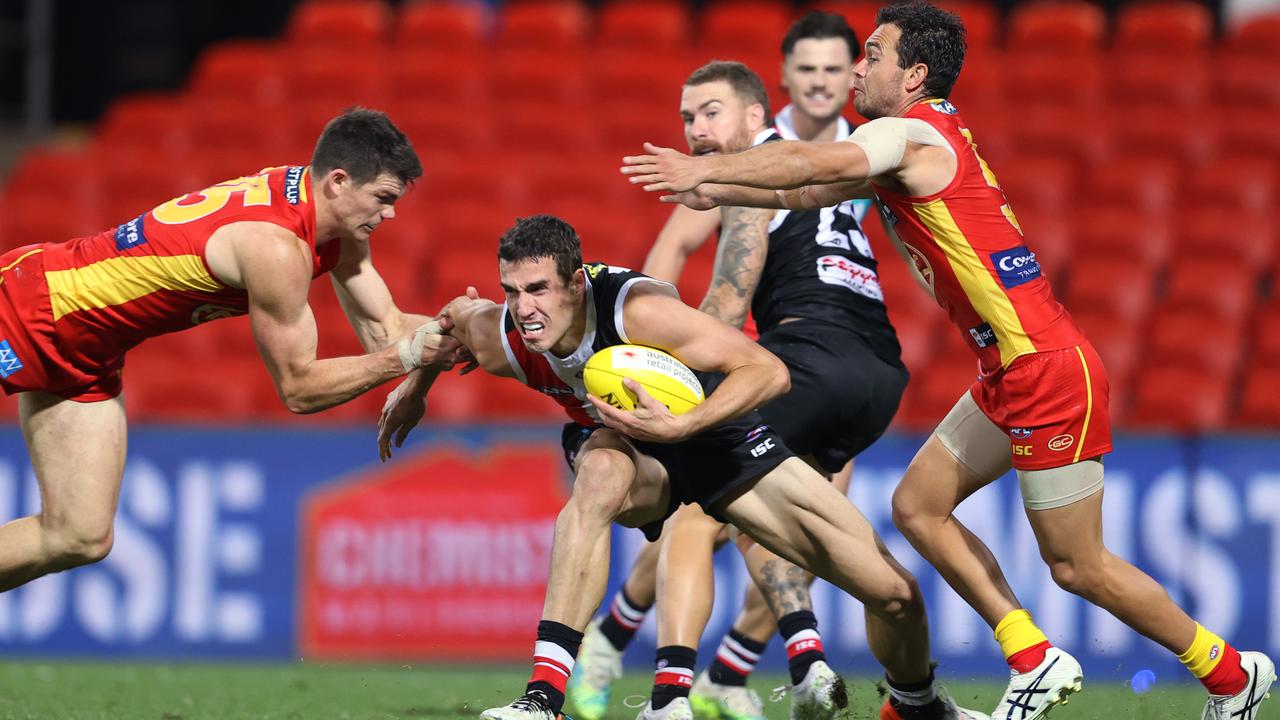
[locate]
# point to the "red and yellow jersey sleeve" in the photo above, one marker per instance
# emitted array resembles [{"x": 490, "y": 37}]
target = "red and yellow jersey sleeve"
[
  {"x": 149, "y": 276},
  {"x": 966, "y": 243}
]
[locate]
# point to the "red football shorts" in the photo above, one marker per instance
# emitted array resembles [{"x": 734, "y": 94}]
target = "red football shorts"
[
  {"x": 29, "y": 356},
  {"x": 1052, "y": 405}
]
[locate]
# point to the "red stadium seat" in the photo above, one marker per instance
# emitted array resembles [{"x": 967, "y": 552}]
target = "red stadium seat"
[
  {"x": 860, "y": 14},
  {"x": 507, "y": 400},
  {"x": 1258, "y": 36},
  {"x": 1247, "y": 186},
  {"x": 218, "y": 125},
  {"x": 738, "y": 29},
  {"x": 1064, "y": 25},
  {"x": 1197, "y": 338},
  {"x": 446, "y": 138},
  {"x": 154, "y": 121},
  {"x": 1246, "y": 81},
  {"x": 934, "y": 391},
  {"x": 544, "y": 24},
  {"x": 332, "y": 24},
  {"x": 1163, "y": 135},
  {"x": 916, "y": 336},
  {"x": 540, "y": 75},
  {"x": 1117, "y": 232},
  {"x": 339, "y": 80},
  {"x": 1117, "y": 341},
  {"x": 69, "y": 175},
  {"x": 1051, "y": 236},
  {"x": 1260, "y": 398},
  {"x": 981, "y": 21},
  {"x": 625, "y": 76},
  {"x": 246, "y": 71},
  {"x": 981, "y": 85},
  {"x": 1147, "y": 184},
  {"x": 1213, "y": 232},
  {"x": 441, "y": 26},
  {"x": 1079, "y": 136},
  {"x": 1178, "y": 398},
  {"x": 1039, "y": 184},
  {"x": 1266, "y": 335},
  {"x": 33, "y": 218},
  {"x": 1252, "y": 133},
  {"x": 195, "y": 390},
  {"x": 1145, "y": 83},
  {"x": 645, "y": 26},
  {"x": 1115, "y": 286},
  {"x": 1168, "y": 28},
  {"x": 1225, "y": 287},
  {"x": 1067, "y": 80},
  {"x": 627, "y": 127},
  {"x": 445, "y": 79}
]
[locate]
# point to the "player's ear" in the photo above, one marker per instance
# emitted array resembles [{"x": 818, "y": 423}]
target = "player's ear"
[
  {"x": 579, "y": 281},
  {"x": 915, "y": 77},
  {"x": 755, "y": 115},
  {"x": 337, "y": 179}
]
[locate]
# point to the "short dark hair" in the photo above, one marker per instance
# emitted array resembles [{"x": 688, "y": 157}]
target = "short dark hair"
[
  {"x": 819, "y": 25},
  {"x": 366, "y": 144},
  {"x": 541, "y": 236},
  {"x": 931, "y": 36},
  {"x": 744, "y": 81}
]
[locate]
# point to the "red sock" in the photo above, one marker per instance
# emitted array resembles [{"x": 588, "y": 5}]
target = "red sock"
[
  {"x": 1228, "y": 678},
  {"x": 1029, "y": 659}
]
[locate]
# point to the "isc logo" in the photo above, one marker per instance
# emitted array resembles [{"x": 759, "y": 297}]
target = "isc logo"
[
  {"x": 803, "y": 646},
  {"x": 1023, "y": 450},
  {"x": 763, "y": 447}
]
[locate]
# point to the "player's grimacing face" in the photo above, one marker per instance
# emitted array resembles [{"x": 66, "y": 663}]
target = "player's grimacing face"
[
  {"x": 818, "y": 74},
  {"x": 877, "y": 79},
  {"x": 361, "y": 208},
  {"x": 543, "y": 306},
  {"x": 716, "y": 119}
]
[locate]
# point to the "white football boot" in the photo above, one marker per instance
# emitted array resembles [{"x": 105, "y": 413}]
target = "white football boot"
[
  {"x": 711, "y": 701},
  {"x": 820, "y": 695},
  {"x": 1032, "y": 694},
  {"x": 599, "y": 666},
  {"x": 678, "y": 709},
  {"x": 1244, "y": 704},
  {"x": 530, "y": 706},
  {"x": 948, "y": 710}
]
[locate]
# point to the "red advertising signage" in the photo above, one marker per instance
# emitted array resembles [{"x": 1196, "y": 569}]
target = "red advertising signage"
[{"x": 441, "y": 554}]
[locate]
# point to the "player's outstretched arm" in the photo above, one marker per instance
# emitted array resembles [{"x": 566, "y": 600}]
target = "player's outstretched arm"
[
  {"x": 367, "y": 301},
  {"x": 774, "y": 166},
  {"x": 753, "y": 375},
  {"x": 274, "y": 267},
  {"x": 683, "y": 234}
]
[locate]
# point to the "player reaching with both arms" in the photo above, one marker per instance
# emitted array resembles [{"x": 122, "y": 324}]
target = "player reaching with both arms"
[
  {"x": 809, "y": 279},
  {"x": 70, "y": 311},
  {"x": 818, "y": 53},
  {"x": 638, "y": 467},
  {"x": 1040, "y": 403}
]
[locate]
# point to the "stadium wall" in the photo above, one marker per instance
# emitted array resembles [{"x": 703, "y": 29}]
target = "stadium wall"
[{"x": 258, "y": 543}]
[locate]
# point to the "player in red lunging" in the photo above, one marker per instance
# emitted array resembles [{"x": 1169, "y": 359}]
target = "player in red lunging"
[
  {"x": 70, "y": 311},
  {"x": 1040, "y": 403}
]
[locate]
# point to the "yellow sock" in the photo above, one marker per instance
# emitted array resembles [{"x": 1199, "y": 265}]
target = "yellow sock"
[
  {"x": 1016, "y": 632},
  {"x": 1204, "y": 654}
]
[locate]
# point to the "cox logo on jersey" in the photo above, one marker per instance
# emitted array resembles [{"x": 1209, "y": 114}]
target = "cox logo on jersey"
[
  {"x": 1016, "y": 266},
  {"x": 130, "y": 234}
]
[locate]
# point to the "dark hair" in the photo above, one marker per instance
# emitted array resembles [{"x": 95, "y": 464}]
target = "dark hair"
[
  {"x": 366, "y": 144},
  {"x": 931, "y": 36},
  {"x": 542, "y": 236},
  {"x": 819, "y": 25},
  {"x": 744, "y": 81}
]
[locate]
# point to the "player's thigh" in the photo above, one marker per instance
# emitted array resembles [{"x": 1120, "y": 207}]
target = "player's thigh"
[
  {"x": 647, "y": 487},
  {"x": 77, "y": 451},
  {"x": 1064, "y": 507},
  {"x": 965, "y": 453}
]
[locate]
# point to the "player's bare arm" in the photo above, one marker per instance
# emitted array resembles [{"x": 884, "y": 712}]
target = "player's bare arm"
[
  {"x": 684, "y": 233},
  {"x": 274, "y": 267},
  {"x": 367, "y": 301},
  {"x": 753, "y": 375},
  {"x": 740, "y": 261}
]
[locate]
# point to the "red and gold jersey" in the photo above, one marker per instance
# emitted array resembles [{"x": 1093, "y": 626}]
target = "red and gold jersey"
[
  {"x": 149, "y": 276},
  {"x": 966, "y": 243}
]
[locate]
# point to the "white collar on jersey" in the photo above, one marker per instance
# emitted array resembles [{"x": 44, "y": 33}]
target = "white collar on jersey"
[{"x": 786, "y": 128}]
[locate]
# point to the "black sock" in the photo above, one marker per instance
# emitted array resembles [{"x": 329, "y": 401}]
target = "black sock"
[
  {"x": 623, "y": 619},
  {"x": 673, "y": 674},
  {"x": 915, "y": 701},
  {"x": 804, "y": 645},
  {"x": 735, "y": 659},
  {"x": 553, "y": 658}
]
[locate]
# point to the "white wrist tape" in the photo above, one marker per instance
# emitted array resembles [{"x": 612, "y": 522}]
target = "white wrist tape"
[
  {"x": 410, "y": 346},
  {"x": 884, "y": 140}
]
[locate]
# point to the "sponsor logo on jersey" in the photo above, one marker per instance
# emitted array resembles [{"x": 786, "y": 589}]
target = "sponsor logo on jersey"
[
  {"x": 293, "y": 184},
  {"x": 1016, "y": 266},
  {"x": 1213, "y": 652},
  {"x": 841, "y": 271},
  {"x": 887, "y": 212},
  {"x": 206, "y": 313},
  {"x": 944, "y": 107},
  {"x": 762, "y": 448},
  {"x": 130, "y": 234},
  {"x": 550, "y": 390},
  {"x": 594, "y": 269},
  {"x": 983, "y": 335},
  {"x": 756, "y": 432},
  {"x": 9, "y": 362},
  {"x": 1061, "y": 442},
  {"x": 1020, "y": 433}
]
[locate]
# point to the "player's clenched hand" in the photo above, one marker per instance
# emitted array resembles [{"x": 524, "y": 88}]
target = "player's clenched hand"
[
  {"x": 400, "y": 414},
  {"x": 664, "y": 169},
  {"x": 650, "y": 421}
]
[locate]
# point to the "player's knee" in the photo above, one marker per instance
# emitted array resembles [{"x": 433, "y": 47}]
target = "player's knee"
[
  {"x": 907, "y": 515},
  {"x": 603, "y": 479},
  {"x": 73, "y": 546},
  {"x": 1083, "y": 578},
  {"x": 900, "y": 602}
]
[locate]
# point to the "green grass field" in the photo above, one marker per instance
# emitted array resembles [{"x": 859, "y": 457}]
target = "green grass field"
[{"x": 175, "y": 691}]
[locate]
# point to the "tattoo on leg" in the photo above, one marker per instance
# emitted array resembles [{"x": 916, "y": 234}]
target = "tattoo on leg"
[{"x": 785, "y": 587}]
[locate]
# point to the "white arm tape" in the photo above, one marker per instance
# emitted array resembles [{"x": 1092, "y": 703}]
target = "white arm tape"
[
  {"x": 410, "y": 346},
  {"x": 885, "y": 139}
]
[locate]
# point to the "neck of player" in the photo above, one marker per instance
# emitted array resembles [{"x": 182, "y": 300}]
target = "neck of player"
[{"x": 811, "y": 129}]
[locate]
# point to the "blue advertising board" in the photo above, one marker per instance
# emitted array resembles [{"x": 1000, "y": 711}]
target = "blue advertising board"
[{"x": 207, "y": 550}]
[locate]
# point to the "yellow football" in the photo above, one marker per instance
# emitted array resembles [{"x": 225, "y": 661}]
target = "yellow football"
[{"x": 667, "y": 379}]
